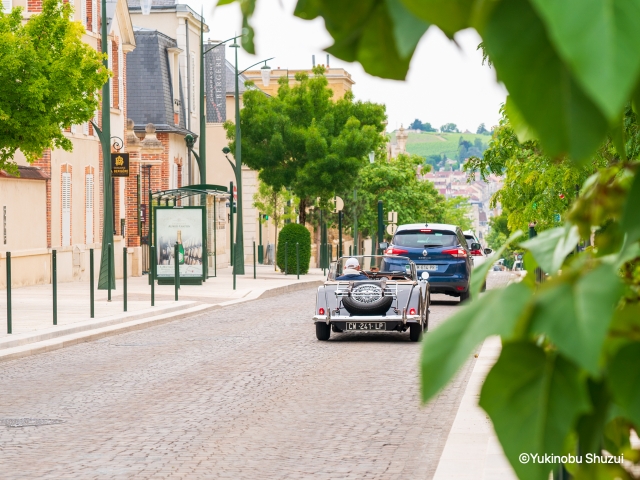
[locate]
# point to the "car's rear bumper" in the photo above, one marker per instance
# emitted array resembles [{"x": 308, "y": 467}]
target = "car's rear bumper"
[
  {"x": 453, "y": 285},
  {"x": 390, "y": 320}
]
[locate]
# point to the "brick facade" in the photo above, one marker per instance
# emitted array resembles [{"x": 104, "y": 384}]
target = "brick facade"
[{"x": 44, "y": 164}]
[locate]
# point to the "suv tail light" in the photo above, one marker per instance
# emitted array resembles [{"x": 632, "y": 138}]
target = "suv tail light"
[
  {"x": 476, "y": 253},
  {"x": 456, "y": 252},
  {"x": 395, "y": 251}
]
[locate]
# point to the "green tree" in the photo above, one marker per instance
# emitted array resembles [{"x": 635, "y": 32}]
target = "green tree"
[
  {"x": 50, "y": 80},
  {"x": 395, "y": 183},
  {"x": 449, "y": 128},
  {"x": 301, "y": 139},
  {"x": 536, "y": 187},
  {"x": 565, "y": 381},
  {"x": 457, "y": 211},
  {"x": 482, "y": 130}
]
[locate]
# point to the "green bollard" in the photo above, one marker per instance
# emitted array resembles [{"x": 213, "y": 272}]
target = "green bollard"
[
  {"x": 8, "y": 260},
  {"x": 109, "y": 272},
  {"x": 176, "y": 278},
  {"x": 286, "y": 256},
  {"x": 55, "y": 287},
  {"x": 298, "y": 260},
  {"x": 91, "y": 284},
  {"x": 124, "y": 276},
  {"x": 254, "y": 259},
  {"x": 152, "y": 271}
]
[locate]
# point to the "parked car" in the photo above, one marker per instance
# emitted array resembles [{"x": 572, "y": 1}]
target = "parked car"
[
  {"x": 384, "y": 295},
  {"x": 438, "y": 249}
]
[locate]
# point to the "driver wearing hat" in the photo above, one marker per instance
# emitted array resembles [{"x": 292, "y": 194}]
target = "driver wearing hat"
[{"x": 352, "y": 271}]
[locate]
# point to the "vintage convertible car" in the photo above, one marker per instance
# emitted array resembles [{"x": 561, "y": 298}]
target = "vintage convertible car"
[{"x": 389, "y": 296}]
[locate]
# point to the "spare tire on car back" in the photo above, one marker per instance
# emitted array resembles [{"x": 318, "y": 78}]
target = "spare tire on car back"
[{"x": 367, "y": 299}]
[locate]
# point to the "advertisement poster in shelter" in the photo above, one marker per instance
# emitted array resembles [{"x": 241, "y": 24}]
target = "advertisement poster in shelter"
[{"x": 182, "y": 225}]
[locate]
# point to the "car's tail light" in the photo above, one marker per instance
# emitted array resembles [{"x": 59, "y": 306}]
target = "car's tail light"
[
  {"x": 456, "y": 252},
  {"x": 395, "y": 251},
  {"x": 412, "y": 311},
  {"x": 321, "y": 311},
  {"x": 476, "y": 253}
]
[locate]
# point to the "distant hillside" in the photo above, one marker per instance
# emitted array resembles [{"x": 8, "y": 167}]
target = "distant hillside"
[{"x": 426, "y": 144}]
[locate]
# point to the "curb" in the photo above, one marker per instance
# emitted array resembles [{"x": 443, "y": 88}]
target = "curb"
[{"x": 56, "y": 338}]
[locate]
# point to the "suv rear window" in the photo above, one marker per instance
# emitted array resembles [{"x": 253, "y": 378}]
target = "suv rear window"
[{"x": 425, "y": 238}]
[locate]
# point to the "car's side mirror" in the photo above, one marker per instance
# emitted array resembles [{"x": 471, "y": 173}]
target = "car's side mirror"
[
  {"x": 488, "y": 251},
  {"x": 476, "y": 246},
  {"x": 424, "y": 276},
  {"x": 383, "y": 245}
]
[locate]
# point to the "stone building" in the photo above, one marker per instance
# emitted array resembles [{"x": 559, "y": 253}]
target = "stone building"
[{"x": 64, "y": 189}]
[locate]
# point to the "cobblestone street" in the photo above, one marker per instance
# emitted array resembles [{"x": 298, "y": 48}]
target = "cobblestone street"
[{"x": 243, "y": 392}]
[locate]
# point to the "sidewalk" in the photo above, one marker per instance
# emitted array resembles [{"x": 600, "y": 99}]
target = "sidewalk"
[
  {"x": 472, "y": 450},
  {"x": 32, "y": 307}
]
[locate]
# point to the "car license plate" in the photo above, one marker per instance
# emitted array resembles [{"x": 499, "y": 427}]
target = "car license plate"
[
  {"x": 428, "y": 267},
  {"x": 366, "y": 326}
]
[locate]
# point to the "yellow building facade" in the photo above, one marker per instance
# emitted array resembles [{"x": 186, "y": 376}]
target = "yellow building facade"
[{"x": 340, "y": 80}]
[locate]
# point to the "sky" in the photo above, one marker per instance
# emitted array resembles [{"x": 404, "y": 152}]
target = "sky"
[{"x": 446, "y": 82}]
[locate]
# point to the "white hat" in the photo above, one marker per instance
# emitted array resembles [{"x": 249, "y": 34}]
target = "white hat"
[{"x": 352, "y": 263}]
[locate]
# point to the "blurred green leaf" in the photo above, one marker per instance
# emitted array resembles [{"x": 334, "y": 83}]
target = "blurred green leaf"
[
  {"x": 576, "y": 316},
  {"x": 600, "y": 40},
  {"x": 480, "y": 273},
  {"x": 450, "y": 15},
  {"x": 631, "y": 216},
  {"x": 551, "y": 247},
  {"x": 446, "y": 349},
  {"x": 368, "y": 32},
  {"x": 540, "y": 85},
  {"x": 533, "y": 400},
  {"x": 624, "y": 380}
]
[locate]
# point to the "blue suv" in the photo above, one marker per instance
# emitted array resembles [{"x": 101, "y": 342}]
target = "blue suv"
[{"x": 439, "y": 249}]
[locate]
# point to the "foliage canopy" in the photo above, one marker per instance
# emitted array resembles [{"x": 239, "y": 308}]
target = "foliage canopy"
[{"x": 50, "y": 80}]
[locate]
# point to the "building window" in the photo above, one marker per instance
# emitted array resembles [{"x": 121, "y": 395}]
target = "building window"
[
  {"x": 120, "y": 77},
  {"x": 7, "y": 5},
  {"x": 110, "y": 62},
  {"x": 72, "y": 129},
  {"x": 88, "y": 195},
  {"x": 66, "y": 209},
  {"x": 83, "y": 13},
  {"x": 85, "y": 128}
]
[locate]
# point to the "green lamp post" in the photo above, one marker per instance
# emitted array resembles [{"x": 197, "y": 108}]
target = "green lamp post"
[{"x": 237, "y": 167}]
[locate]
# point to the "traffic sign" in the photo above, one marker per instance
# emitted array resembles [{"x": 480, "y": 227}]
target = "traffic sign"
[
  {"x": 235, "y": 192},
  {"x": 392, "y": 217},
  {"x": 392, "y": 228},
  {"x": 338, "y": 204}
]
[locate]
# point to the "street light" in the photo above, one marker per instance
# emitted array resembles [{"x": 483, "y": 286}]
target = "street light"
[
  {"x": 238, "y": 261},
  {"x": 265, "y": 72}
]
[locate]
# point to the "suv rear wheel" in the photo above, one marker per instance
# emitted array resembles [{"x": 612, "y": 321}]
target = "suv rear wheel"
[{"x": 464, "y": 296}]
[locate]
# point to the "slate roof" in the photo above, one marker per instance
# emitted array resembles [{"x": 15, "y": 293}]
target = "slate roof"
[{"x": 150, "y": 94}]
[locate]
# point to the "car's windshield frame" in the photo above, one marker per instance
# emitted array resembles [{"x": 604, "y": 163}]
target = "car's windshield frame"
[{"x": 337, "y": 268}]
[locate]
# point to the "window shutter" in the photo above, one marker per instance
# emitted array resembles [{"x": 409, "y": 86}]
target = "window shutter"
[
  {"x": 85, "y": 128},
  {"x": 174, "y": 173},
  {"x": 66, "y": 209},
  {"x": 193, "y": 82},
  {"x": 120, "y": 78},
  {"x": 7, "y": 5},
  {"x": 94, "y": 16},
  {"x": 83, "y": 13},
  {"x": 110, "y": 50},
  {"x": 73, "y": 129},
  {"x": 89, "y": 208}
]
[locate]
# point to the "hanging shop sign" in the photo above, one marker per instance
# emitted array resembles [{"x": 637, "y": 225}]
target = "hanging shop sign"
[{"x": 119, "y": 164}]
